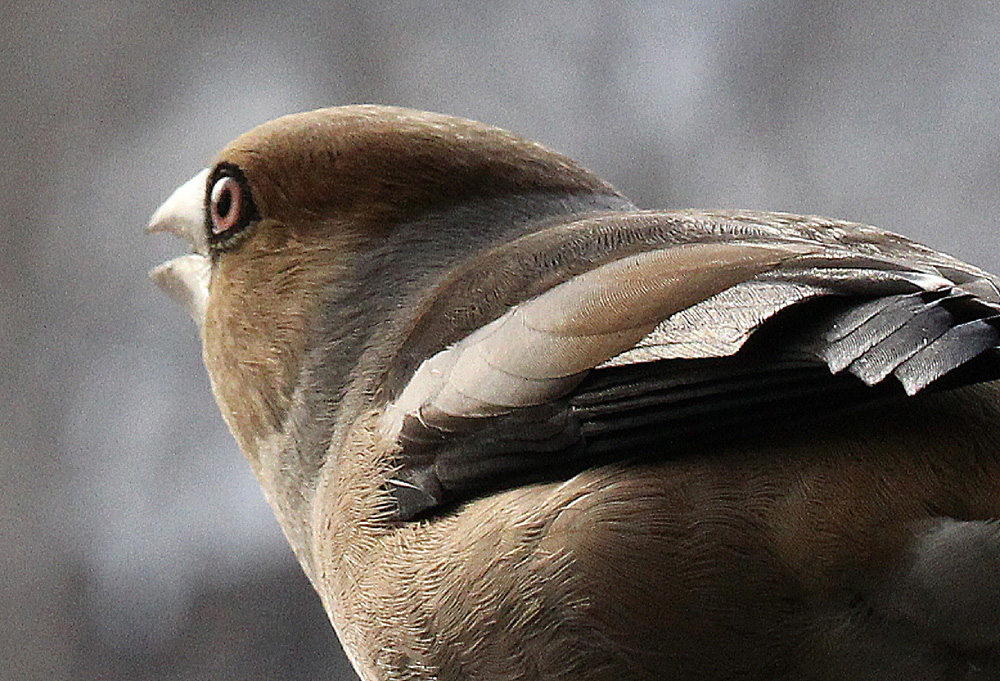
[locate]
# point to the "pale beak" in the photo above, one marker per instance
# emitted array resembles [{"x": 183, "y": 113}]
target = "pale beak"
[{"x": 185, "y": 279}]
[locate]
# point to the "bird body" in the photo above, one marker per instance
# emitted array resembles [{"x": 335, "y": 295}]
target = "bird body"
[
  {"x": 515, "y": 428},
  {"x": 783, "y": 562}
]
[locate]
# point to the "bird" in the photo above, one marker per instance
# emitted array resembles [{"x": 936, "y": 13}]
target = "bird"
[{"x": 515, "y": 427}]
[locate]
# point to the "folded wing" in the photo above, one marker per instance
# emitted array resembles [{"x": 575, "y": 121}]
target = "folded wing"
[{"x": 663, "y": 327}]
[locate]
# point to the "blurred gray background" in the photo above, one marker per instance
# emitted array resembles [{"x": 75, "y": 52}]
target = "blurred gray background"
[{"x": 134, "y": 543}]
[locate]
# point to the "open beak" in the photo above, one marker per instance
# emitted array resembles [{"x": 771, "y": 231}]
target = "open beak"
[{"x": 185, "y": 279}]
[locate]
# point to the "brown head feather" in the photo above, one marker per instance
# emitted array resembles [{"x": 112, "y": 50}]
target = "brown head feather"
[
  {"x": 377, "y": 165},
  {"x": 325, "y": 183}
]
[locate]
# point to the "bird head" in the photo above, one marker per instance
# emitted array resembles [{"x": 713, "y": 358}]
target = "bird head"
[
  {"x": 290, "y": 209},
  {"x": 315, "y": 237}
]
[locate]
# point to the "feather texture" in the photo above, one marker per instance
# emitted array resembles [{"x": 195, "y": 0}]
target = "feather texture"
[
  {"x": 630, "y": 440},
  {"x": 515, "y": 400}
]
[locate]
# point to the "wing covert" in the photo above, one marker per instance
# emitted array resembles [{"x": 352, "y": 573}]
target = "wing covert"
[{"x": 838, "y": 309}]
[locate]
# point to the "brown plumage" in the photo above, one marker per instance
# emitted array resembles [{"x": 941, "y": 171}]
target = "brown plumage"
[{"x": 515, "y": 428}]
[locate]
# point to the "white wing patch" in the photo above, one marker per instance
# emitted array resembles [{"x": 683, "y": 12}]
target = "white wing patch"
[{"x": 541, "y": 349}]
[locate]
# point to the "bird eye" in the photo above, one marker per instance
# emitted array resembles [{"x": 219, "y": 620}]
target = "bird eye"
[
  {"x": 230, "y": 207},
  {"x": 226, "y": 204}
]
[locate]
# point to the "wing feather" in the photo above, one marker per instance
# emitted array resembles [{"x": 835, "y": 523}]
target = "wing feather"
[{"x": 642, "y": 335}]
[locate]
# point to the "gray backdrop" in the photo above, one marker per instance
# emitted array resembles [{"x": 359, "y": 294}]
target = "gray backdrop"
[{"x": 134, "y": 543}]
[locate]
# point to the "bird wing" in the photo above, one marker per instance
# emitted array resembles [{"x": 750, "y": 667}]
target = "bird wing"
[{"x": 666, "y": 329}]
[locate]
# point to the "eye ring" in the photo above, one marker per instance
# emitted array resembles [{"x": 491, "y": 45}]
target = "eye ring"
[
  {"x": 226, "y": 204},
  {"x": 230, "y": 208}
]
